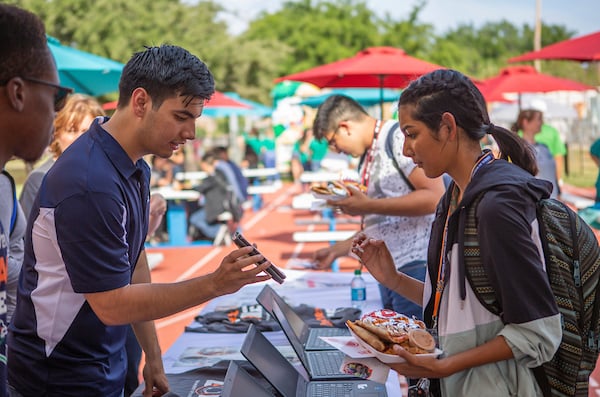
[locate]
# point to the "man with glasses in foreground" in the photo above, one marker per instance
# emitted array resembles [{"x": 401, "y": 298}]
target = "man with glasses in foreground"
[
  {"x": 85, "y": 276},
  {"x": 400, "y": 201},
  {"x": 29, "y": 97}
]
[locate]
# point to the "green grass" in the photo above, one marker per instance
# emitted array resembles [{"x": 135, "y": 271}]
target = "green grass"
[{"x": 582, "y": 170}]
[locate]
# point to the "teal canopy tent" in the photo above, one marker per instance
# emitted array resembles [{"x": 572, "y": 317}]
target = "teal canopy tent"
[
  {"x": 85, "y": 72},
  {"x": 365, "y": 96},
  {"x": 257, "y": 109}
]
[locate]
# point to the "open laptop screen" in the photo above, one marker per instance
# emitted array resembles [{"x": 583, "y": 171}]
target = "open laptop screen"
[{"x": 270, "y": 362}]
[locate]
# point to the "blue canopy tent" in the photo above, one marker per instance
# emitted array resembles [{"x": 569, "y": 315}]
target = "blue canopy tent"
[
  {"x": 252, "y": 109},
  {"x": 365, "y": 96},
  {"x": 258, "y": 109},
  {"x": 85, "y": 72}
]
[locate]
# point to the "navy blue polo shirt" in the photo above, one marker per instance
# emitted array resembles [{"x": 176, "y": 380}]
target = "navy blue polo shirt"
[{"x": 91, "y": 220}]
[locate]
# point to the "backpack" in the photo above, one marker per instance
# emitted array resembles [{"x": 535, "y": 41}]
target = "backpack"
[
  {"x": 232, "y": 203},
  {"x": 572, "y": 258},
  {"x": 389, "y": 151}
]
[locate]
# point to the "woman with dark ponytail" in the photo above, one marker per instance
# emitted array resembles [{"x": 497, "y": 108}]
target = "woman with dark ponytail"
[{"x": 443, "y": 117}]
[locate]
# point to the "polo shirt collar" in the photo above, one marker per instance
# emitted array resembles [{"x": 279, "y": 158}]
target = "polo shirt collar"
[{"x": 114, "y": 151}]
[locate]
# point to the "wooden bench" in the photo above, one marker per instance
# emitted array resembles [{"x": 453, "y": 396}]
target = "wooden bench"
[{"x": 319, "y": 237}]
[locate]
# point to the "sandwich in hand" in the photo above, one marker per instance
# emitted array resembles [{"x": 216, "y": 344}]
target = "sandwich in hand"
[
  {"x": 384, "y": 334},
  {"x": 338, "y": 188}
]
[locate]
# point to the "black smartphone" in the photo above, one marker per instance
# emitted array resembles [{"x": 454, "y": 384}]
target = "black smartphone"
[{"x": 275, "y": 273}]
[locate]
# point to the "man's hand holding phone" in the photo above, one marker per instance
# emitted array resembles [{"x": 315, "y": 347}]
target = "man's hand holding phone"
[{"x": 273, "y": 271}]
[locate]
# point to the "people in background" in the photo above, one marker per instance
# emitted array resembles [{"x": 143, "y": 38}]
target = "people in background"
[
  {"x": 204, "y": 222},
  {"x": 301, "y": 156},
  {"x": 528, "y": 125},
  {"x": 400, "y": 201},
  {"x": 86, "y": 272},
  {"x": 443, "y": 117},
  {"x": 30, "y": 96},
  {"x": 233, "y": 172},
  {"x": 72, "y": 121},
  {"x": 550, "y": 137}
]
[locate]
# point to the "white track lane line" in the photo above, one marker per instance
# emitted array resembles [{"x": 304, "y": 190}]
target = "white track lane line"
[{"x": 214, "y": 252}]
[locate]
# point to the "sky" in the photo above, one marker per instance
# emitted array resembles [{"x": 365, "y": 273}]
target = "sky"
[{"x": 580, "y": 16}]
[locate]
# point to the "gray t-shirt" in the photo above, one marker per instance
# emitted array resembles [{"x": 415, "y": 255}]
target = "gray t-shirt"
[
  {"x": 406, "y": 237},
  {"x": 32, "y": 185},
  {"x": 15, "y": 244}
]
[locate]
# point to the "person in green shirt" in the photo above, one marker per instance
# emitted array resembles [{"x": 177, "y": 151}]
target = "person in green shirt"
[
  {"x": 550, "y": 137},
  {"x": 301, "y": 159},
  {"x": 595, "y": 153},
  {"x": 318, "y": 150}
]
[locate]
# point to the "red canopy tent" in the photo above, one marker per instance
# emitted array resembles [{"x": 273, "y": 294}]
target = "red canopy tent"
[
  {"x": 522, "y": 79},
  {"x": 583, "y": 49},
  {"x": 383, "y": 67},
  {"x": 218, "y": 100}
]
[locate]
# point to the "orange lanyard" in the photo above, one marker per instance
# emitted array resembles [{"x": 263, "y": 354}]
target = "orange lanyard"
[{"x": 441, "y": 276}]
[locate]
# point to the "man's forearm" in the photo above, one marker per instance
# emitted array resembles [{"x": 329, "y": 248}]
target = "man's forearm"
[{"x": 417, "y": 203}]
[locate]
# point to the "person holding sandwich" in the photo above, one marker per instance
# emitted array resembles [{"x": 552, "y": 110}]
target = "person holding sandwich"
[
  {"x": 399, "y": 204},
  {"x": 443, "y": 117}
]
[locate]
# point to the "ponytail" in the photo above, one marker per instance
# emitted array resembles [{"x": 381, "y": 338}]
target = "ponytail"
[{"x": 514, "y": 148}]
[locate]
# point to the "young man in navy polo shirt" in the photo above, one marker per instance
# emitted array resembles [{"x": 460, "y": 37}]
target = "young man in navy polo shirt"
[{"x": 85, "y": 276}]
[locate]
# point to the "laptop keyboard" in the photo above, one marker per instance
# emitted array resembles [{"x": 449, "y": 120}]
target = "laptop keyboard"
[
  {"x": 337, "y": 389},
  {"x": 314, "y": 341},
  {"x": 326, "y": 362}
]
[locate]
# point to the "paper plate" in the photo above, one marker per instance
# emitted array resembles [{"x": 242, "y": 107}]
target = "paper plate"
[
  {"x": 389, "y": 358},
  {"x": 328, "y": 196}
]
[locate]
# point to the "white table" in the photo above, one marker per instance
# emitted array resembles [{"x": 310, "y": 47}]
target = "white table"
[
  {"x": 320, "y": 289},
  {"x": 177, "y": 226},
  {"x": 319, "y": 176}
]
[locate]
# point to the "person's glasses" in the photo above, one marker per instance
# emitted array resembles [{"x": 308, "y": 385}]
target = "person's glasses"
[
  {"x": 331, "y": 139},
  {"x": 61, "y": 95}
]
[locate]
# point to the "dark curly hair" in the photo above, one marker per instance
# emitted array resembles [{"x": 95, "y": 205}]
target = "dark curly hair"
[
  {"x": 24, "y": 50},
  {"x": 446, "y": 90},
  {"x": 165, "y": 72}
]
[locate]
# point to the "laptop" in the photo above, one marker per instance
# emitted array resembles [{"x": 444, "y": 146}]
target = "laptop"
[
  {"x": 319, "y": 364},
  {"x": 287, "y": 380},
  {"x": 308, "y": 337},
  {"x": 239, "y": 383}
]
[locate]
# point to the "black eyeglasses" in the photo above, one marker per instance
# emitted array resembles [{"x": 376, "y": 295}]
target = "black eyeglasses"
[
  {"x": 61, "y": 95},
  {"x": 331, "y": 140}
]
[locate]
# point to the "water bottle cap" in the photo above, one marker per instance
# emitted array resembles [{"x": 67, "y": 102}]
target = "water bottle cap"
[{"x": 357, "y": 272}]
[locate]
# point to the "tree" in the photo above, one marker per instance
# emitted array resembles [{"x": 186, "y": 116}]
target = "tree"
[{"x": 318, "y": 32}]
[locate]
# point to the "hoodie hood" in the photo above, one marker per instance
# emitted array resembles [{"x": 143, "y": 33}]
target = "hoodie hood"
[{"x": 502, "y": 173}]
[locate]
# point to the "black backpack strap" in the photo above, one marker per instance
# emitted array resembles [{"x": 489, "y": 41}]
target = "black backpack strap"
[
  {"x": 542, "y": 380},
  {"x": 13, "y": 216},
  {"x": 389, "y": 150}
]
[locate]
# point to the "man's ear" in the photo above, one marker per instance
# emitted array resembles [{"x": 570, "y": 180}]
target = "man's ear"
[
  {"x": 16, "y": 93},
  {"x": 140, "y": 102},
  {"x": 345, "y": 124}
]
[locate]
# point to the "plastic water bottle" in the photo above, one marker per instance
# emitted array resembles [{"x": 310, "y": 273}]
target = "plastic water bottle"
[{"x": 358, "y": 290}]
